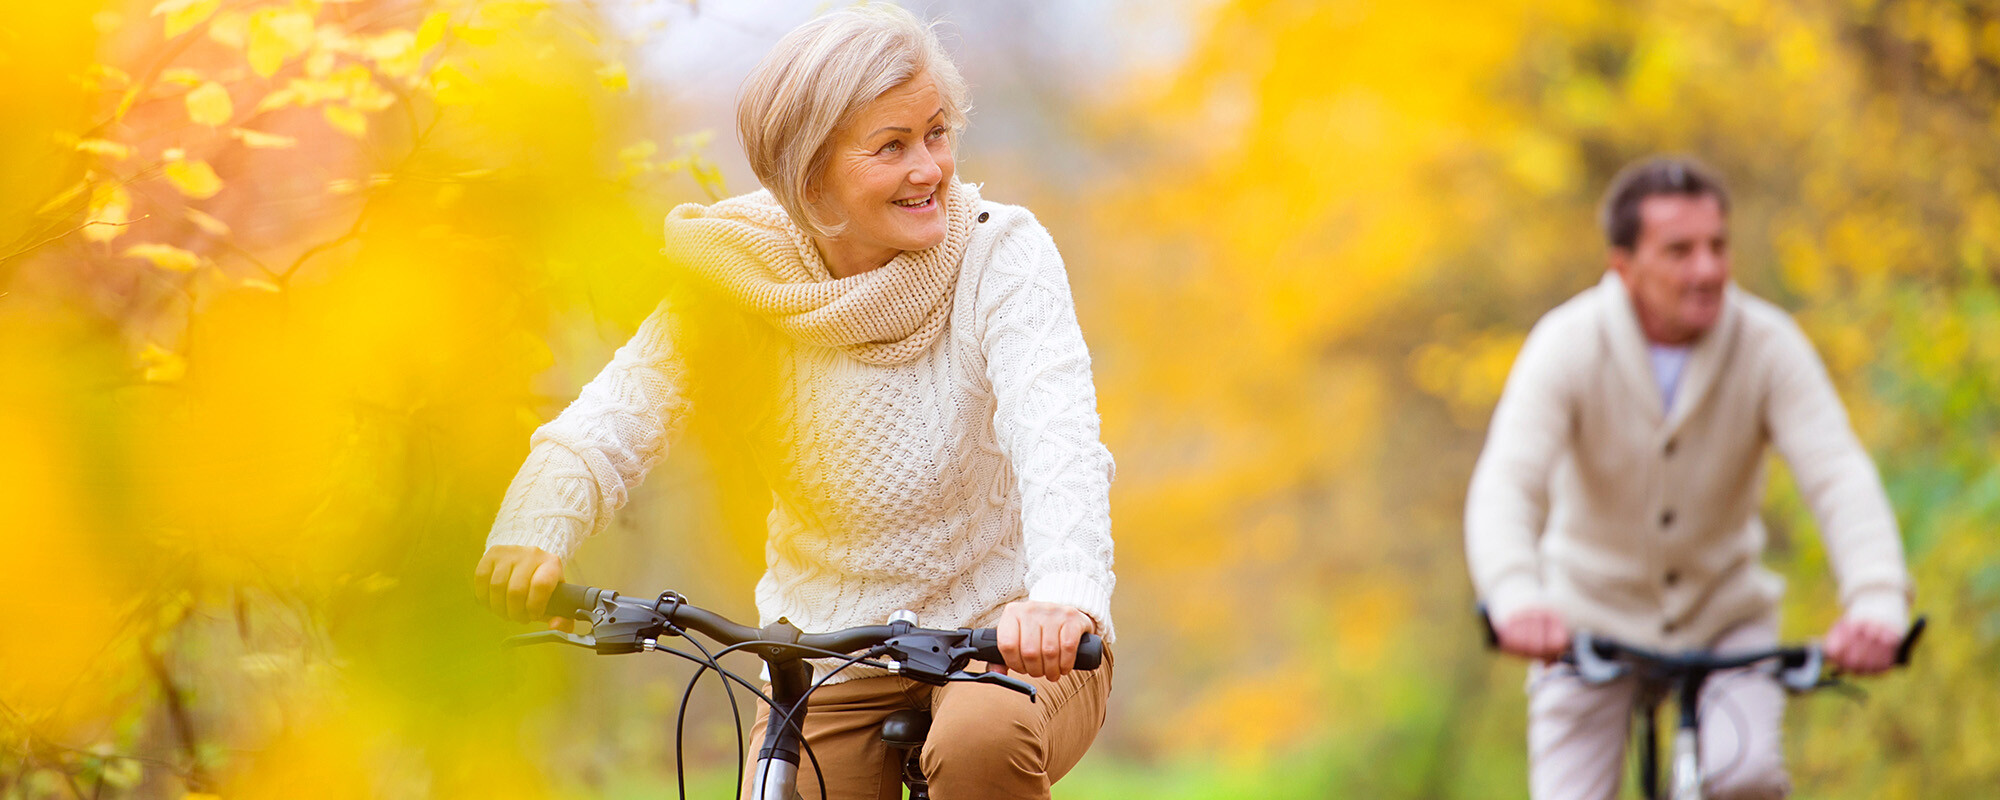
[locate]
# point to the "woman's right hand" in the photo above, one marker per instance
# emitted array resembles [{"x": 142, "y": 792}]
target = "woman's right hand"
[{"x": 516, "y": 581}]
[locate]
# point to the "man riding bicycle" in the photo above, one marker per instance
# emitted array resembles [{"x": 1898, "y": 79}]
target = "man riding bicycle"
[{"x": 1619, "y": 489}]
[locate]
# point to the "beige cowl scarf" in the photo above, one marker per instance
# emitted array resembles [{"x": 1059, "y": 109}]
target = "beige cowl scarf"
[{"x": 750, "y": 249}]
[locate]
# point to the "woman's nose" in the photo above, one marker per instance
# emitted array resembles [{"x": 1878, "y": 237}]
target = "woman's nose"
[{"x": 924, "y": 169}]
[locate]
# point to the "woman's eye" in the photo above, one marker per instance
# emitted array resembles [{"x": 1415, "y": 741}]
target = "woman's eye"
[
  {"x": 936, "y": 133},
  {"x": 892, "y": 147}
]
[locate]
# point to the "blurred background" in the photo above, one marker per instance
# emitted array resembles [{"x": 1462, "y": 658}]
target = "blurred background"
[{"x": 286, "y": 284}]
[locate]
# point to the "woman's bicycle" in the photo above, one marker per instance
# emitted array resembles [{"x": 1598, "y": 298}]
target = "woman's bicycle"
[
  {"x": 1599, "y": 660},
  {"x": 623, "y": 624}
]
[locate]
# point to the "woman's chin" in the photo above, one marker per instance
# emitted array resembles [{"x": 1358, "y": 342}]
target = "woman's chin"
[{"x": 923, "y": 240}]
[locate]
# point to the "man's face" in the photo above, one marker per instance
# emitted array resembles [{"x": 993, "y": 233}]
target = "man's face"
[{"x": 1679, "y": 266}]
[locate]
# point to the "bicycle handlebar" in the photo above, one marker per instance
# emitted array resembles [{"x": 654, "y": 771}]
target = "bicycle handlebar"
[
  {"x": 1600, "y": 659},
  {"x": 634, "y": 616}
]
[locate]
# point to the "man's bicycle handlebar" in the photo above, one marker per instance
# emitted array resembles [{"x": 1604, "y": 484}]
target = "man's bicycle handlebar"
[{"x": 1600, "y": 659}]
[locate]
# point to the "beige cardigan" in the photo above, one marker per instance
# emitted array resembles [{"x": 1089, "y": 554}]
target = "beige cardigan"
[{"x": 1644, "y": 526}]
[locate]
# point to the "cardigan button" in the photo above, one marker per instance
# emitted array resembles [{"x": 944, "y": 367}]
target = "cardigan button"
[
  {"x": 983, "y": 215},
  {"x": 1672, "y": 577},
  {"x": 1667, "y": 518},
  {"x": 1669, "y": 448}
]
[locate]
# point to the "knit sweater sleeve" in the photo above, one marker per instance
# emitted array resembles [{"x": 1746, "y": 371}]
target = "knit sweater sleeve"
[
  {"x": 581, "y": 465},
  {"x": 1508, "y": 501},
  {"x": 1834, "y": 473},
  {"x": 1046, "y": 419}
]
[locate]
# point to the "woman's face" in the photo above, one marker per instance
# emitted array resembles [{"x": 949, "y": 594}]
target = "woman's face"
[{"x": 891, "y": 163}]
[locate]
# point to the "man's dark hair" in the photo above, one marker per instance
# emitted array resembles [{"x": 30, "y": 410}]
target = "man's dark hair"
[{"x": 1619, "y": 216}]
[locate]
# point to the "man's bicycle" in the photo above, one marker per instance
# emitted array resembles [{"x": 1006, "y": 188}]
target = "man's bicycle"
[
  {"x": 624, "y": 624},
  {"x": 1662, "y": 676}
]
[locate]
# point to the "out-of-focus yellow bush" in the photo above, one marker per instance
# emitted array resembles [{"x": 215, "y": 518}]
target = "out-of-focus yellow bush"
[{"x": 278, "y": 281}]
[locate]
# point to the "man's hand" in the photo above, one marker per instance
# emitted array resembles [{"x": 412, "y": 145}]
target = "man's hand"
[
  {"x": 1536, "y": 633},
  {"x": 1040, "y": 638},
  {"x": 1862, "y": 647},
  {"x": 516, "y": 582}
]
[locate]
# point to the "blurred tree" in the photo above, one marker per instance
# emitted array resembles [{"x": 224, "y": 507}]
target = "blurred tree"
[
  {"x": 280, "y": 278},
  {"x": 1318, "y": 246}
]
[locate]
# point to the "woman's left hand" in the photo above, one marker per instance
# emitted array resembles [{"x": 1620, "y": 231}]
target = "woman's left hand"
[{"x": 1040, "y": 638}]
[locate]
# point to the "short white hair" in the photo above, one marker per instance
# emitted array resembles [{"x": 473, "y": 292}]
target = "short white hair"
[{"x": 818, "y": 77}]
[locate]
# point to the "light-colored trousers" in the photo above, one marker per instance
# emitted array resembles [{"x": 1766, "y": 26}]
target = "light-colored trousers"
[
  {"x": 1577, "y": 733},
  {"x": 985, "y": 741}
]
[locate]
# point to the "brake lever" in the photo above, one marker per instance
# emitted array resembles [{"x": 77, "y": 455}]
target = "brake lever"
[
  {"x": 551, "y": 637},
  {"x": 1808, "y": 675},
  {"x": 1591, "y": 667},
  {"x": 996, "y": 679}
]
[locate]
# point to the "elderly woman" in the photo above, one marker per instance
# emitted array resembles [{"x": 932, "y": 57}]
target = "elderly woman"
[{"x": 929, "y": 431}]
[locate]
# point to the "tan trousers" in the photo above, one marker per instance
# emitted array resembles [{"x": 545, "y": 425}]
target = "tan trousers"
[
  {"x": 1577, "y": 733},
  {"x": 985, "y": 741}
]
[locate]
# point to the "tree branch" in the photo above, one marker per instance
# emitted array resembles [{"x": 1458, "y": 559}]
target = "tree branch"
[
  {"x": 39, "y": 245},
  {"x": 177, "y": 713}
]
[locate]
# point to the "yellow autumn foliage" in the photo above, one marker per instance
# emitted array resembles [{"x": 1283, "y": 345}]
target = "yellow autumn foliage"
[{"x": 362, "y": 249}]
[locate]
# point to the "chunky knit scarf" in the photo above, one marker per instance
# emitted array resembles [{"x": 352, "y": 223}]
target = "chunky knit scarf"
[{"x": 752, "y": 251}]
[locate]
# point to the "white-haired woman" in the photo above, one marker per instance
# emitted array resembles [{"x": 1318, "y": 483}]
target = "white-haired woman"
[{"x": 931, "y": 432}]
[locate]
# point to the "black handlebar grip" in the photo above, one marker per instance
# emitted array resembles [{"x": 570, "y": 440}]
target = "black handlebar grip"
[
  {"x": 1910, "y": 642},
  {"x": 1089, "y": 649},
  {"x": 573, "y": 601},
  {"x": 1089, "y": 652}
]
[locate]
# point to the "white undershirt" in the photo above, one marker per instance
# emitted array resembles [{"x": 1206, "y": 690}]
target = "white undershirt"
[{"x": 1669, "y": 360}]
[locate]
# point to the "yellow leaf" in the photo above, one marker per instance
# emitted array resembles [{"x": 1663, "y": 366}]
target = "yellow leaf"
[
  {"x": 450, "y": 86},
  {"x": 370, "y": 96},
  {"x": 432, "y": 31},
  {"x": 335, "y": 40},
  {"x": 182, "y": 76},
  {"x": 105, "y": 76},
  {"x": 288, "y": 96},
  {"x": 164, "y": 366},
  {"x": 347, "y": 120},
  {"x": 195, "y": 179},
  {"x": 319, "y": 63},
  {"x": 638, "y": 151},
  {"x": 277, "y": 36},
  {"x": 63, "y": 199},
  {"x": 184, "y": 14},
  {"x": 259, "y": 140},
  {"x": 106, "y": 148},
  {"x": 613, "y": 76},
  {"x": 230, "y": 29},
  {"x": 395, "y": 53},
  {"x": 477, "y": 37},
  {"x": 209, "y": 105},
  {"x": 111, "y": 204},
  {"x": 208, "y": 224},
  {"x": 165, "y": 256}
]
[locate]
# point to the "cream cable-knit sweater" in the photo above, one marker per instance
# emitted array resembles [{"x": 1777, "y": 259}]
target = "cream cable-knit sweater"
[{"x": 951, "y": 484}]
